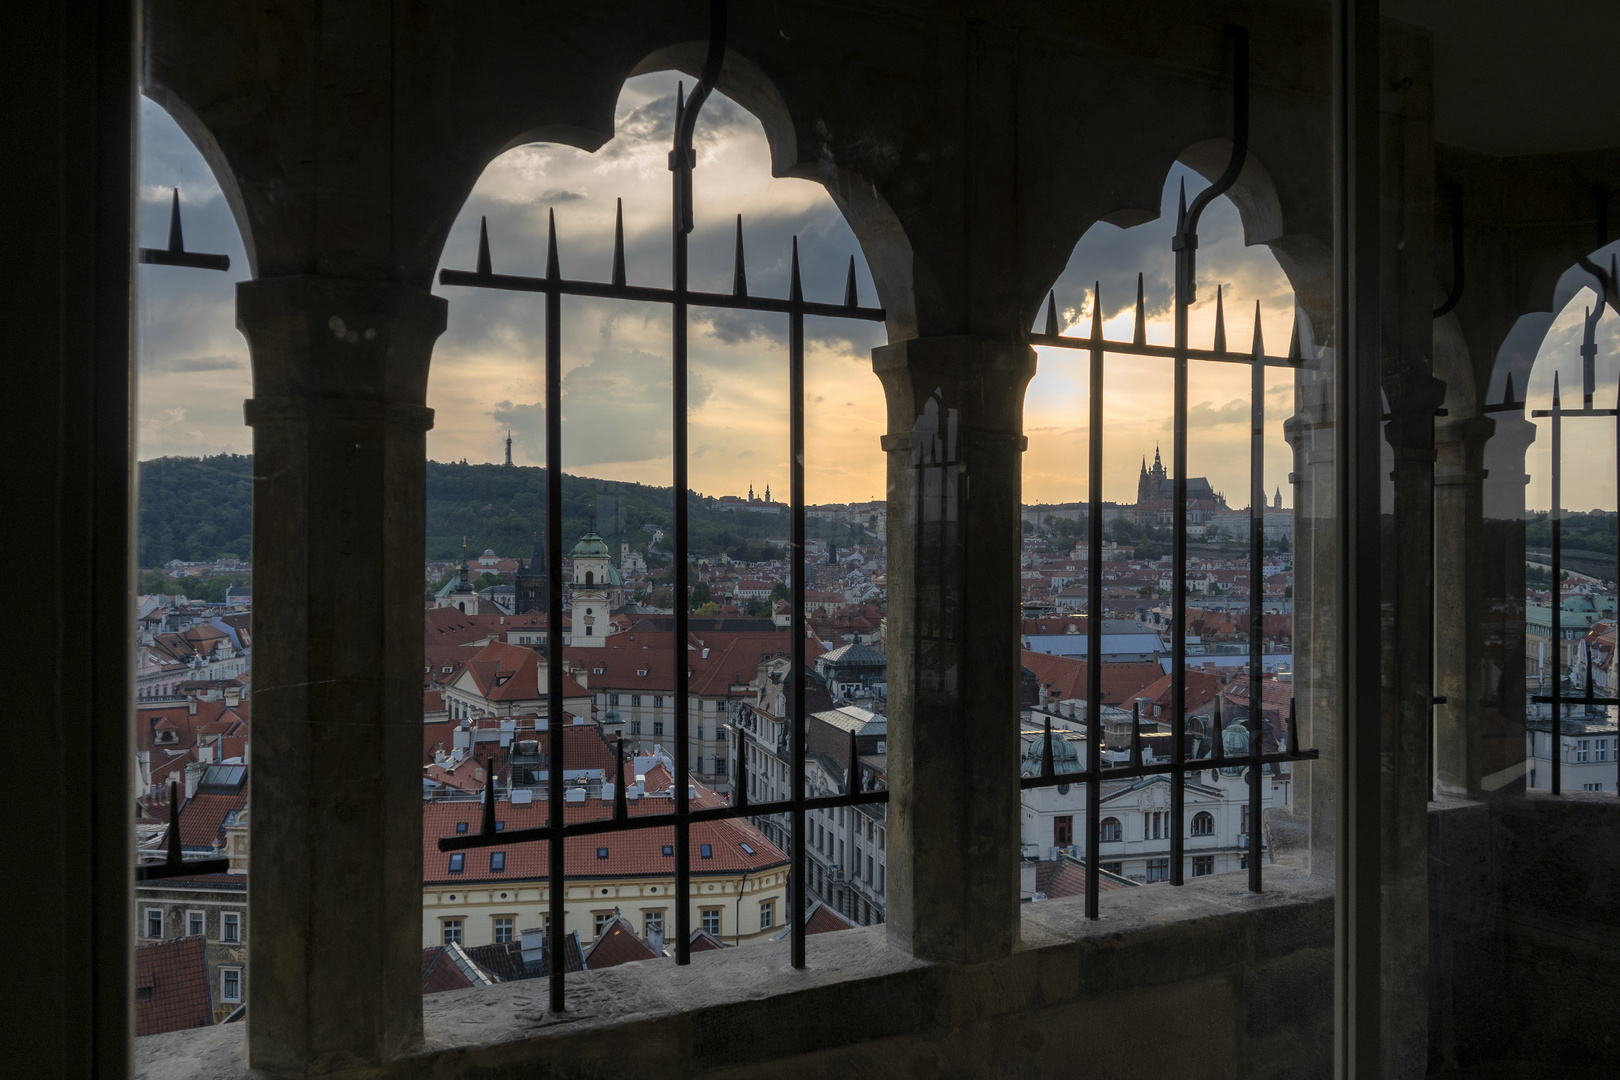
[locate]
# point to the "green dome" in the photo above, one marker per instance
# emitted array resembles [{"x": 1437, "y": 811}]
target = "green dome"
[{"x": 591, "y": 546}]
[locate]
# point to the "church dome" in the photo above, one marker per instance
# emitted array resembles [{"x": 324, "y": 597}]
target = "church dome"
[
  {"x": 591, "y": 546},
  {"x": 1065, "y": 755}
]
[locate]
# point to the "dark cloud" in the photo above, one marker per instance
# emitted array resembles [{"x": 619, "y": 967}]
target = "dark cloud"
[
  {"x": 558, "y": 195},
  {"x": 219, "y": 362}
]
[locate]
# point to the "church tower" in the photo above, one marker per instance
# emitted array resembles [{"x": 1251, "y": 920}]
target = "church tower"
[
  {"x": 1276, "y": 503},
  {"x": 593, "y": 593},
  {"x": 532, "y": 586}
]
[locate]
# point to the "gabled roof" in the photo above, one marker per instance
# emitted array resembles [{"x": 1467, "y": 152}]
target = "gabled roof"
[
  {"x": 172, "y": 988},
  {"x": 448, "y": 967},
  {"x": 1065, "y": 677},
  {"x": 854, "y": 656},
  {"x": 618, "y": 944}
]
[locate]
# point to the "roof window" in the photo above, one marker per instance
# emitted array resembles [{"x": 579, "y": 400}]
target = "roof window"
[
  {"x": 669, "y": 851},
  {"x": 497, "y": 861},
  {"x": 706, "y": 851},
  {"x": 748, "y": 849},
  {"x": 601, "y": 853},
  {"x": 458, "y": 862},
  {"x": 461, "y": 827}
]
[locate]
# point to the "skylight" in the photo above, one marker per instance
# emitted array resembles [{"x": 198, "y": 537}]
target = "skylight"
[
  {"x": 707, "y": 851},
  {"x": 457, "y": 862},
  {"x": 601, "y": 853},
  {"x": 748, "y": 848},
  {"x": 497, "y": 861},
  {"x": 461, "y": 826}
]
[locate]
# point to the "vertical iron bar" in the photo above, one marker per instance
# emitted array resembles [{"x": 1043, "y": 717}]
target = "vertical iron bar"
[
  {"x": 796, "y": 595},
  {"x": 556, "y": 868},
  {"x": 1094, "y": 611},
  {"x": 1257, "y": 554},
  {"x": 680, "y": 163},
  {"x": 1178, "y": 570},
  {"x": 1555, "y": 521}
]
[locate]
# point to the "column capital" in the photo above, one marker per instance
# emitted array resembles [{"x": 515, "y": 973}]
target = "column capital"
[{"x": 338, "y": 339}]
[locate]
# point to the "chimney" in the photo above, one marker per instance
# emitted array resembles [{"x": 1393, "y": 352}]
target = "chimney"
[
  {"x": 191, "y": 705},
  {"x": 233, "y": 696},
  {"x": 143, "y": 765}
]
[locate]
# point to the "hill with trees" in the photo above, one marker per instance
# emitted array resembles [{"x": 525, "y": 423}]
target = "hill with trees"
[{"x": 201, "y": 508}]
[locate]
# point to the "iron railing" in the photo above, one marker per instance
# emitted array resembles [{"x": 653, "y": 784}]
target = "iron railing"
[
  {"x": 1606, "y": 295},
  {"x": 680, "y": 298},
  {"x": 175, "y": 864},
  {"x": 1185, "y": 245}
]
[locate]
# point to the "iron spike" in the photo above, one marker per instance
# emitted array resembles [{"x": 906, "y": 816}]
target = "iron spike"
[
  {"x": 177, "y": 241},
  {"x": 1293, "y": 342},
  {"x": 739, "y": 272},
  {"x": 1215, "y": 749},
  {"x": 795, "y": 293},
  {"x": 620, "y": 809},
  {"x": 1181, "y": 210},
  {"x": 1220, "y": 322},
  {"x": 1293, "y": 726},
  {"x": 1555, "y": 389},
  {"x": 1258, "y": 349},
  {"x": 489, "y": 798},
  {"x": 851, "y": 784},
  {"x": 1140, "y": 336},
  {"x": 552, "y": 270},
  {"x": 1096, "y": 311},
  {"x": 618, "y": 244},
  {"x": 1047, "y": 769},
  {"x": 1051, "y": 314},
  {"x": 1507, "y": 396},
  {"x": 484, "y": 268},
  {"x": 1136, "y": 732},
  {"x": 850, "y": 298},
  {"x": 176, "y": 856}
]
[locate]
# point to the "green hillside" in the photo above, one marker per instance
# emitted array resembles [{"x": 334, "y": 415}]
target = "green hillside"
[{"x": 201, "y": 508}]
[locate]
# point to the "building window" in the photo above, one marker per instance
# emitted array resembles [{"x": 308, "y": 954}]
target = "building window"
[
  {"x": 1111, "y": 830},
  {"x": 767, "y": 914},
  {"x": 635, "y": 701},
  {"x": 154, "y": 922},
  {"x": 195, "y": 922},
  {"x": 658, "y": 701},
  {"x": 652, "y": 922},
  {"x": 503, "y": 929},
  {"x": 1158, "y": 869},
  {"x": 458, "y": 862},
  {"x": 613, "y": 699},
  {"x": 880, "y": 877},
  {"x": 230, "y": 984},
  {"x": 1063, "y": 830},
  {"x": 450, "y": 931},
  {"x": 658, "y": 727},
  {"x": 1581, "y": 749},
  {"x": 1110, "y": 867},
  {"x": 230, "y": 927},
  {"x": 720, "y": 765},
  {"x": 1153, "y": 825},
  {"x": 1203, "y": 864},
  {"x": 601, "y": 853},
  {"x": 635, "y": 727},
  {"x": 706, "y": 851},
  {"x": 1593, "y": 787},
  {"x": 1602, "y": 749},
  {"x": 1203, "y": 824},
  {"x": 601, "y": 920},
  {"x": 497, "y": 861},
  {"x": 711, "y": 921},
  {"x": 1243, "y": 827}
]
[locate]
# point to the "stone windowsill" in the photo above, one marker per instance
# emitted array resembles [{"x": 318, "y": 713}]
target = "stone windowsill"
[{"x": 726, "y": 1010}]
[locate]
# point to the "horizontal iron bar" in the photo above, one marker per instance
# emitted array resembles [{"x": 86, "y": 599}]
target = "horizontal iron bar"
[
  {"x": 1168, "y": 352},
  {"x": 1567, "y": 413},
  {"x": 154, "y": 871},
  {"x": 1127, "y": 772},
  {"x": 609, "y": 291},
  {"x": 1574, "y": 699},
  {"x": 195, "y": 259},
  {"x": 655, "y": 821}
]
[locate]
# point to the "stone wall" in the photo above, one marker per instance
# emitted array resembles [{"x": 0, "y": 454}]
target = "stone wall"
[{"x": 1202, "y": 981}]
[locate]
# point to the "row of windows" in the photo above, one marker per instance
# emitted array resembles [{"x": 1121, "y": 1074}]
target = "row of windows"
[
  {"x": 1155, "y": 826},
  {"x": 230, "y": 925},
  {"x": 1583, "y": 748},
  {"x": 658, "y": 702},
  {"x": 451, "y": 930}
]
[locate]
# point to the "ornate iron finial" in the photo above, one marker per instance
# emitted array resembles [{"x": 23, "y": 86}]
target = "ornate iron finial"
[
  {"x": 1220, "y": 322},
  {"x": 552, "y": 270},
  {"x": 618, "y": 244},
  {"x": 484, "y": 269},
  {"x": 1140, "y": 336},
  {"x": 1096, "y": 311},
  {"x": 795, "y": 291},
  {"x": 1047, "y": 768},
  {"x": 489, "y": 797},
  {"x": 739, "y": 272},
  {"x": 1051, "y": 314},
  {"x": 850, "y": 299}
]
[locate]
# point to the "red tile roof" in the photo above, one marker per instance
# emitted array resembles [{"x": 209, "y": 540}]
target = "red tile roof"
[
  {"x": 1065, "y": 677},
  {"x": 1067, "y": 877},
  {"x": 172, "y": 989},
  {"x": 1201, "y": 690},
  {"x": 634, "y": 853},
  {"x": 618, "y": 944},
  {"x": 824, "y": 920},
  {"x": 203, "y": 817}
]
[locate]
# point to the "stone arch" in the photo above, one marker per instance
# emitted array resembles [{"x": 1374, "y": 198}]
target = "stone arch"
[
  {"x": 1552, "y": 282},
  {"x": 214, "y": 156}
]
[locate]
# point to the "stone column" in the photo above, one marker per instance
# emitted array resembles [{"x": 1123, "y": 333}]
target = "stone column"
[
  {"x": 1465, "y": 674},
  {"x": 954, "y": 446},
  {"x": 339, "y": 437}
]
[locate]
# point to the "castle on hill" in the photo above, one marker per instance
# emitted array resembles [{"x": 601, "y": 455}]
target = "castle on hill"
[{"x": 1155, "y": 497}]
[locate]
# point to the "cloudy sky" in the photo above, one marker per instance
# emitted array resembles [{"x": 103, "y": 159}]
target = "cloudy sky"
[{"x": 487, "y": 374}]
